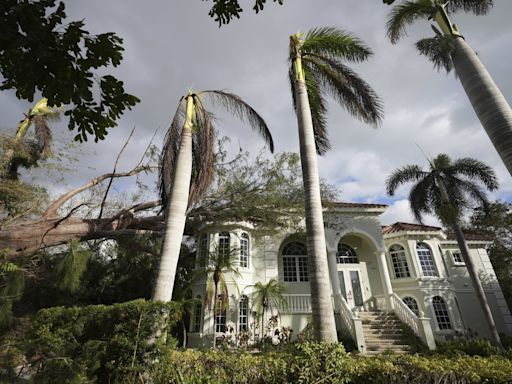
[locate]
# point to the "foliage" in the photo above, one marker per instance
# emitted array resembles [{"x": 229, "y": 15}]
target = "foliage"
[
  {"x": 95, "y": 343},
  {"x": 70, "y": 268},
  {"x": 472, "y": 347},
  {"x": 267, "y": 192},
  {"x": 62, "y": 59},
  {"x": 223, "y": 11},
  {"x": 328, "y": 363},
  {"x": 438, "y": 50}
]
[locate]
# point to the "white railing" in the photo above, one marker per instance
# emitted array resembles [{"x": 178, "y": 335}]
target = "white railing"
[
  {"x": 404, "y": 313},
  {"x": 296, "y": 304},
  {"x": 347, "y": 316},
  {"x": 420, "y": 325}
]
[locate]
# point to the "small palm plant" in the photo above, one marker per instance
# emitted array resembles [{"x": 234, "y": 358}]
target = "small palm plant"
[
  {"x": 268, "y": 296},
  {"x": 447, "y": 190},
  {"x": 221, "y": 263},
  {"x": 449, "y": 50},
  {"x": 316, "y": 69},
  {"x": 188, "y": 168}
]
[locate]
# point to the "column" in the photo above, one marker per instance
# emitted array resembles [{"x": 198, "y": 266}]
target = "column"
[
  {"x": 335, "y": 282},
  {"x": 384, "y": 275}
]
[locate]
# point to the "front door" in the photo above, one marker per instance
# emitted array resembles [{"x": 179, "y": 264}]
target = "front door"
[{"x": 350, "y": 285}]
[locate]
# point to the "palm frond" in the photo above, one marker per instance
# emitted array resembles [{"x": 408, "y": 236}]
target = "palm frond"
[
  {"x": 420, "y": 198},
  {"x": 203, "y": 156},
  {"x": 478, "y": 7},
  {"x": 347, "y": 88},
  {"x": 335, "y": 43},
  {"x": 235, "y": 105},
  {"x": 318, "y": 108},
  {"x": 477, "y": 171},
  {"x": 170, "y": 153},
  {"x": 405, "y": 14},
  {"x": 407, "y": 174},
  {"x": 43, "y": 134},
  {"x": 475, "y": 193},
  {"x": 438, "y": 50}
]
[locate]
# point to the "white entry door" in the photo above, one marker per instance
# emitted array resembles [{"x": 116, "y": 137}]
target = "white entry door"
[{"x": 350, "y": 285}]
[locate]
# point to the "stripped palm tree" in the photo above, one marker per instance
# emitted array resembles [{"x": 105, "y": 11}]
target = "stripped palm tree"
[
  {"x": 449, "y": 50},
  {"x": 317, "y": 69},
  {"x": 268, "y": 296},
  {"x": 188, "y": 167},
  {"x": 40, "y": 116},
  {"x": 447, "y": 190}
]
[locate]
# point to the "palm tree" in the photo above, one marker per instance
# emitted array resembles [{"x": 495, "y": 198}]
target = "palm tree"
[
  {"x": 221, "y": 262},
  {"x": 317, "y": 68},
  {"x": 446, "y": 190},
  {"x": 448, "y": 50},
  {"x": 187, "y": 170},
  {"x": 40, "y": 115},
  {"x": 265, "y": 296}
]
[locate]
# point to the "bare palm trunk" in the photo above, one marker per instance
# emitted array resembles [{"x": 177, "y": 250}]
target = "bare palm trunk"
[
  {"x": 489, "y": 104},
  {"x": 176, "y": 212},
  {"x": 321, "y": 303},
  {"x": 477, "y": 284}
]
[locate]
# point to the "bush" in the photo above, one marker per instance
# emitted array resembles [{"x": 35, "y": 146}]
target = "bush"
[
  {"x": 105, "y": 343},
  {"x": 473, "y": 347}
]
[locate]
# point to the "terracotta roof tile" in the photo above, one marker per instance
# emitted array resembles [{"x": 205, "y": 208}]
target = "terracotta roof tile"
[
  {"x": 343, "y": 204},
  {"x": 399, "y": 227}
]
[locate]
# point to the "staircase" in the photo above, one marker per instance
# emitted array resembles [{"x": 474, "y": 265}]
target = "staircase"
[{"x": 383, "y": 332}]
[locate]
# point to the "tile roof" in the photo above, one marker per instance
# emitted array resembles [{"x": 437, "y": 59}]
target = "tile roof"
[
  {"x": 399, "y": 227},
  {"x": 471, "y": 237},
  {"x": 343, "y": 204}
]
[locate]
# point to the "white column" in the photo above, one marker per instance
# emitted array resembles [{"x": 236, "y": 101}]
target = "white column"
[{"x": 384, "y": 275}]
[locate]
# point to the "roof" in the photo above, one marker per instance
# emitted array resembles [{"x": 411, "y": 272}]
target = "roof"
[
  {"x": 343, "y": 204},
  {"x": 400, "y": 227},
  {"x": 471, "y": 237}
]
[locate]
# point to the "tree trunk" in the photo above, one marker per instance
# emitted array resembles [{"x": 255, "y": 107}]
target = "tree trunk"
[
  {"x": 488, "y": 102},
  {"x": 477, "y": 284},
  {"x": 176, "y": 211},
  {"x": 215, "y": 292},
  {"x": 321, "y": 303}
]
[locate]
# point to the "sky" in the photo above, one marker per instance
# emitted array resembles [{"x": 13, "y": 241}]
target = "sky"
[{"x": 172, "y": 46}]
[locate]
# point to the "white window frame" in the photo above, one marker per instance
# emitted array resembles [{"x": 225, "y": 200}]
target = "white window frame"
[
  {"x": 457, "y": 261},
  {"x": 295, "y": 267},
  {"x": 244, "y": 250},
  {"x": 426, "y": 260},
  {"x": 202, "y": 260},
  {"x": 414, "y": 304},
  {"x": 399, "y": 262},
  {"x": 224, "y": 242},
  {"x": 441, "y": 314},
  {"x": 345, "y": 254},
  {"x": 243, "y": 314},
  {"x": 197, "y": 319},
  {"x": 220, "y": 316}
]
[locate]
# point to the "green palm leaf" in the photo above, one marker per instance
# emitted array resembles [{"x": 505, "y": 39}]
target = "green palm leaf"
[
  {"x": 405, "y": 14},
  {"x": 438, "y": 50}
]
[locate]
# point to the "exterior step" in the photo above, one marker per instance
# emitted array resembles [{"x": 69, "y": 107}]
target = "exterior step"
[{"x": 383, "y": 333}]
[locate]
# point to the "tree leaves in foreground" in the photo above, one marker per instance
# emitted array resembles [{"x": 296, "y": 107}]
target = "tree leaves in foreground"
[
  {"x": 41, "y": 51},
  {"x": 223, "y": 11}
]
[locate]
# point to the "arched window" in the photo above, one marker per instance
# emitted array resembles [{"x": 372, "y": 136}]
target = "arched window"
[
  {"x": 412, "y": 304},
  {"x": 441, "y": 313},
  {"x": 198, "y": 315},
  {"x": 202, "y": 252},
  {"x": 224, "y": 247},
  {"x": 346, "y": 254},
  {"x": 428, "y": 267},
  {"x": 220, "y": 315},
  {"x": 295, "y": 262},
  {"x": 243, "y": 314},
  {"x": 244, "y": 250},
  {"x": 399, "y": 261}
]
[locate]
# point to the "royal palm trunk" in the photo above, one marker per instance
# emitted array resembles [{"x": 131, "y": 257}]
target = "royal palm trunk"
[
  {"x": 321, "y": 303},
  {"x": 489, "y": 104},
  {"x": 176, "y": 211}
]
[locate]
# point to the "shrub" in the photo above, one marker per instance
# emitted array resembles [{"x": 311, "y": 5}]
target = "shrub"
[{"x": 105, "y": 343}]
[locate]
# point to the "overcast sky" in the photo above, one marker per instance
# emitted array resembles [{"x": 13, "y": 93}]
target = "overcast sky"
[{"x": 172, "y": 45}]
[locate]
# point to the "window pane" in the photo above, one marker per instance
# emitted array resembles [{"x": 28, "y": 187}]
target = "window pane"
[
  {"x": 441, "y": 313},
  {"x": 399, "y": 261},
  {"x": 224, "y": 243},
  {"x": 457, "y": 257},
  {"x": 220, "y": 316},
  {"x": 341, "y": 277},
  {"x": 426, "y": 261},
  {"x": 244, "y": 250},
  {"x": 243, "y": 319},
  {"x": 356, "y": 288},
  {"x": 412, "y": 304},
  {"x": 289, "y": 268},
  {"x": 197, "y": 316},
  {"x": 303, "y": 268},
  {"x": 346, "y": 254}
]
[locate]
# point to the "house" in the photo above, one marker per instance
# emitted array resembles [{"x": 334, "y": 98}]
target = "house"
[{"x": 414, "y": 274}]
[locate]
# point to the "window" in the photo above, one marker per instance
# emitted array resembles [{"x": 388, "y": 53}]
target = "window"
[
  {"x": 399, "y": 261},
  {"x": 457, "y": 257},
  {"x": 243, "y": 314},
  {"x": 244, "y": 250},
  {"x": 412, "y": 304},
  {"x": 428, "y": 266},
  {"x": 295, "y": 262},
  {"x": 198, "y": 312},
  {"x": 220, "y": 315},
  {"x": 224, "y": 247},
  {"x": 202, "y": 252},
  {"x": 346, "y": 254},
  {"x": 441, "y": 313}
]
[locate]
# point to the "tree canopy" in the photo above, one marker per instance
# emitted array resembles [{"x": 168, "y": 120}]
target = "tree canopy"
[
  {"x": 223, "y": 11},
  {"x": 64, "y": 61}
]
